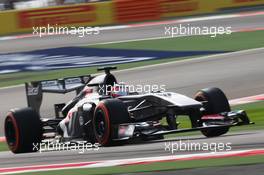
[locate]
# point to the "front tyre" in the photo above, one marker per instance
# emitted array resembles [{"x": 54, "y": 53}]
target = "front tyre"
[
  {"x": 23, "y": 130},
  {"x": 216, "y": 102}
]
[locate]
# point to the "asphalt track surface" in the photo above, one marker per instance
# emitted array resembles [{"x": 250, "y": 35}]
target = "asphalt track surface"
[{"x": 238, "y": 74}]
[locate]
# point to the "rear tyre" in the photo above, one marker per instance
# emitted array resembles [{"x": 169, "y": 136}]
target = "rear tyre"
[
  {"x": 23, "y": 130},
  {"x": 217, "y": 102},
  {"x": 108, "y": 113}
]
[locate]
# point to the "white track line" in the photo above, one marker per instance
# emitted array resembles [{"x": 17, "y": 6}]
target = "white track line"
[{"x": 167, "y": 37}]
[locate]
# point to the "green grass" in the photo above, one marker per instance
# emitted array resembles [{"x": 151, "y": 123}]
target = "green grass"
[
  {"x": 3, "y": 146},
  {"x": 163, "y": 166},
  {"x": 233, "y": 42},
  {"x": 256, "y": 114}
]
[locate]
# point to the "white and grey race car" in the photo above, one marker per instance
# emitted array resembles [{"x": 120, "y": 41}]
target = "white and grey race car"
[{"x": 106, "y": 113}]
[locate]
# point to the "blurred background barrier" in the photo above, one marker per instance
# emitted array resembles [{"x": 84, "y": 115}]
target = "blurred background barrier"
[
  {"x": 111, "y": 12},
  {"x": 172, "y": 8},
  {"x": 136, "y": 10},
  {"x": 8, "y": 22},
  {"x": 23, "y": 21},
  {"x": 237, "y": 3}
]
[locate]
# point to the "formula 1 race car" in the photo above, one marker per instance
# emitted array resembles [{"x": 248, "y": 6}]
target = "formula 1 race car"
[{"x": 105, "y": 112}]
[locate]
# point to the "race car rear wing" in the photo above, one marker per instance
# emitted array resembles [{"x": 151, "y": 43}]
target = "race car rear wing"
[{"x": 35, "y": 89}]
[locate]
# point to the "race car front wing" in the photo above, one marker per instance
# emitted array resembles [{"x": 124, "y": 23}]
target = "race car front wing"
[{"x": 148, "y": 129}]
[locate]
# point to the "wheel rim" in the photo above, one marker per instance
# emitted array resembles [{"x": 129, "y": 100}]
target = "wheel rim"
[
  {"x": 100, "y": 124},
  {"x": 11, "y": 133}
]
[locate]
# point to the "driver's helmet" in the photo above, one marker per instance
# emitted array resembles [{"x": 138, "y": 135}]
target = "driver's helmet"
[{"x": 119, "y": 90}]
